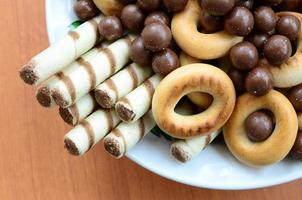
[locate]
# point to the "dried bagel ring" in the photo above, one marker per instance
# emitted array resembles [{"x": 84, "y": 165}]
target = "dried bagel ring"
[
  {"x": 109, "y": 7},
  {"x": 196, "y": 44},
  {"x": 289, "y": 74},
  {"x": 185, "y": 80},
  {"x": 278, "y": 145}
]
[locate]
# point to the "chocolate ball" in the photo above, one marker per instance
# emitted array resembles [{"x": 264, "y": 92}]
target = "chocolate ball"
[
  {"x": 244, "y": 56},
  {"x": 210, "y": 23},
  {"x": 111, "y": 28},
  {"x": 265, "y": 19},
  {"x": 218, "y": 7},
  {"x": 258, "y": 39},
  {"x": 158, "y": 17},
  {"x": 289, "y": 26},
  {"x": 175, "y": 5},
  {"x": 277, "y": 49},
  {"x": 127, "y": 1},
  {"x": 139, "y": 54},
  {"x": 295, "y": 97},
  {"x": 272, "y": 2},
  {"x": 85, "y": 9},
  {"x": 296, "y": 151},
  {"x": 290, "y": 5},
  {"x": 148, "y": 5},
  {"x": 239, "y": 22},
  {"x": 245, "y": 3},
  {"x": 156, "y": 36},
  {"x": 238, "y": 79},
  {"x": 164, "y": 62},
  {"x": 259, "y": 81},
  {"x": 259, "y": 126},
  {"x": 133, "y": 18}
]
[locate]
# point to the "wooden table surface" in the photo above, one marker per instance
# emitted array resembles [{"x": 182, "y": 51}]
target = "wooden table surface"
[{"x": 33, "y": 162}]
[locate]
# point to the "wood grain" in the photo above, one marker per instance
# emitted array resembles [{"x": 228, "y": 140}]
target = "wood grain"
[{"x": 33, "y": 163}]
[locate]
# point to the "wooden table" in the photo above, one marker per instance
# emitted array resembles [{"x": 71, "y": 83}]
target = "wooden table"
[{"x": 33, "y": 162}]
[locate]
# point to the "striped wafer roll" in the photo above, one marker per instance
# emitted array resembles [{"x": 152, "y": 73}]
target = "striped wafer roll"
[
  {"x": 79, "y": 111},
  {"x": 62, "y": 53},
  {"x": 90, "y": 131},
  {"x": 127, "y": 135},
  {"x": 43, "y": 93},
  {"x": 119, "y": 85},
  {"x": 185, "y": 150},
  {"x": 88, "y": 72},
  {"x": 300, "y": 121},
  {"x": 135, "y": 104}
]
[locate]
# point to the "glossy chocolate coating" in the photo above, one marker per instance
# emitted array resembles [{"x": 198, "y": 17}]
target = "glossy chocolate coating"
[
  {"x": 259, "y": 126},
  {"x": 139, "y": 54},
  {"x": 164, "y": 62},
  {"x": 289, "y": 26},
  {"x": 175, "y": 5},
  {"x": 244, "y": 56},
  {"x": 259, "y": 81},
  {"x": 272, "y": 2},
  {"x": 290, "y": 5},
  {"x": 245, "y": 3},
  {"x": 210, "y": 23},
  {"x": 111, "y": 28},
  {"x": 238, "y": 79},
  {"x": 218, "y": 7},
  {"x": 127, "y": 1},
  {"x": 239, "y": 22},
  {"x": 85, "y": 9},
  {"x": 296, "y": 151},
  {"x": 148, "y": 5},
  {"x": 258, "y": 39},
  {"x": 295, "y": 97},
  {"x": 158, "y": 17},
  {"x": 277, "y": 50},
  {"x": 265, "y": 19},
  {"x": 133, "y": 18},
  {"x": 156, "y": 36}
]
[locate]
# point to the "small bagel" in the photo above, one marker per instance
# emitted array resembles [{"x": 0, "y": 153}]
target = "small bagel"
[
  {"x": 288, "y": 74},
  {"x": 109, "y": 7},
  {"x": 196, "y": 44},
  {"x": 185, "y": 80},
  {"x": 278, "y": 145}
]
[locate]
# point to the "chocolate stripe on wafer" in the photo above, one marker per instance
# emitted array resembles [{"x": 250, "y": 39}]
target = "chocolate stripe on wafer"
[
  {"x": 110, "y": 120},
  {"x": 69, "y": 84},
  {"x": 150, "y": 88},
  {"x": 90, "y": 133},
  {"x": 134, "y": 76},
  {"x": 110, "y": 83},
  {"x": 119, "y": 134},
  {"x": 74, "y": 35},
  {"x": 111, "y": 59},
  {"x": 141, "y": 126},
  {"x": 89, "y": 69}
]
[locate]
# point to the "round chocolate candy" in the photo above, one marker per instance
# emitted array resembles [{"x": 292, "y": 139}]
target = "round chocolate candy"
[
  {"x": 296, "y": 151},
  {"x": 290, "y": 5},
  {"x": 259, "y": 126},
  {"x": 289, "y": 26},
  {"x": 244, "y": 56},
  {"x": 111, "y": 28},
  {"x": 156, "y": 36},
  {"x": 164, "y": 62},
  {"x": 238, "y": 79},
  {"x": 295, "y": 97},
  {"x": 158, "y": 17},
  {"x": 259, "y": 81},
  {"x": 239, "y": 22},
  {"x": 218, "y": 7},
  {"x": 258, "y": 39},
  {"x": 127, "y": 1},
  {"x": 245, "y": 3},
  {"x": 272, "y": 2},
  {"x": 175, "y": 5},
  {"x": 277, "y": 49},
  {"x": 148, "y": 5},
  {"x": 133, "y": 18},
  {"x": 85, "y": 9},
  {"x": 210, "y": 23},
  {"x": 265, "y": 19},
  {"x": 139, "y": 54}
]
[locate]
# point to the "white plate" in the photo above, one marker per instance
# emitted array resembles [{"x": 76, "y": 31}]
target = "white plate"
[{"x": 215, "y": 168}]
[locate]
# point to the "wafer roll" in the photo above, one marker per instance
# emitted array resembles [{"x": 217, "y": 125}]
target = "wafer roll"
[
  {"x": 125, "y": 136},
  {"x": 43, "y": 93},
  {"x": 79, "y": 111},
  {"x": 300, "y": 121},
  {"x": 134, "y": 105},
  {"x": 185, "y": 150},
  {"x": 90, "y": 131},
  {"x": 119, "y": 85},
  {"x": 62, "y": 53},
  {"x": 88, "y": 72}
]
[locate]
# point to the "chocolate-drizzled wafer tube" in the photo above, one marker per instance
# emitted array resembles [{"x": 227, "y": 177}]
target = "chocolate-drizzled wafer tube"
[
  {"x": 90, "y": 131},
  {"x": 43, "y": 93},
  {"x": 62, "y": 53},
  {"x": 119, "y": 85},
  {"x": 186, "y": 150},
  {"x": 84, "y": 75},
  {"x": 79, "y": 111},
  {"x": 126, "y": 135},
  {"x": 135, "y": 104}
]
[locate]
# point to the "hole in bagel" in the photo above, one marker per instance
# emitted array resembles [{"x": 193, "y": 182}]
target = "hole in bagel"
[
  {"x": 260, "y": 125},
  {"x": 186, "y": 107}
]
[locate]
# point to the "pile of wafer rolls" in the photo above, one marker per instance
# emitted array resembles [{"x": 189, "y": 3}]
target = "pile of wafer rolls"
[{"x": 193, "y": 68}]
